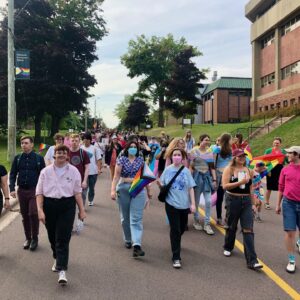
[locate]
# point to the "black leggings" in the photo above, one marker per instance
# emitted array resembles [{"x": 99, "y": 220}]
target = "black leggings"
[{"x": 220, "y": 197}]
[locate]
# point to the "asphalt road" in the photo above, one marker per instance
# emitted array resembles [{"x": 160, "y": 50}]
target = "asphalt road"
[{"x": 101, "y": 268}]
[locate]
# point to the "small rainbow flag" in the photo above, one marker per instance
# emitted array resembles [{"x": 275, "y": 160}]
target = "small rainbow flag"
[
  {"x": 143, "y": 177},
  {"x": 42, "y": 147}
]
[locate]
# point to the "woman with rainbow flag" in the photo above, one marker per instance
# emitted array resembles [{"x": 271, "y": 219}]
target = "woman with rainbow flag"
[
  {"x": 273, "y": 176},
  {"x": 131, "y": 207}
]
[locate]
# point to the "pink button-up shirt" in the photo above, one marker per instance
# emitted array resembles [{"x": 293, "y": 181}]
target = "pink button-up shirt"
[{"x": 54, "y": 186}]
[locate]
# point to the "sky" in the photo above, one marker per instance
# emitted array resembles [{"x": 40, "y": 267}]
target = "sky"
[{"x": 218, "y": 28}]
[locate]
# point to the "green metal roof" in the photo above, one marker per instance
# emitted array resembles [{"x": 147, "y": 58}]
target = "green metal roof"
[{"x": 229, "y": 83}]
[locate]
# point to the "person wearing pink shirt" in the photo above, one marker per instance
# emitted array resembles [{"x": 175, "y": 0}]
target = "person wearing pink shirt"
[
  {"x": 289, "y": 195},
  {"x": 57, "y": 193}
]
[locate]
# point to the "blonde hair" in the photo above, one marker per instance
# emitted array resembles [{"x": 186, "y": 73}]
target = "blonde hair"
[
  {"x": 74, "y": 136},
  {"x": 173, "y": 144}
]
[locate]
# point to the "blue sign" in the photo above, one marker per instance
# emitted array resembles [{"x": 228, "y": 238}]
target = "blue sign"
[{"x": 22, "y": 65}]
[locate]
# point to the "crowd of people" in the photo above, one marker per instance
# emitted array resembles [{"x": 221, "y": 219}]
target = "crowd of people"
[{"x": 195, "y": 170}]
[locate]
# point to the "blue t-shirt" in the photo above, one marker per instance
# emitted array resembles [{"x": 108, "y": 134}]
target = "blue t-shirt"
[
  {"x": 221, "y": 162},
  {"x": 178, "y": 195}
]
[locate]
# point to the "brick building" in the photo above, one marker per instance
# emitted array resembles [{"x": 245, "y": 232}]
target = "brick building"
[
  {"x": 227, "y": 100},
  {"x": 275, "y": 39}
]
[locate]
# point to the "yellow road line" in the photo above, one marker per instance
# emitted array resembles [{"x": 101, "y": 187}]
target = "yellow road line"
[{"x": 272, "y": 275}]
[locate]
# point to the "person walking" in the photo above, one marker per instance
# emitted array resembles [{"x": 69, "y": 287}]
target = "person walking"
[
  {"x": 111, "y": 155},
  {"x": 27, "y": 167},
  {"x": 80, "y": 159},
  {"x": 222, "y": 158},
  {"x": 273, "y": 176},
  {"x": 289, "y": 196},
  {"x": 240, "y": 204},
  {"x": 57, "y": 193},
  {"x": 189, "y": 143},
  {"x": 180, "y": 200},
  {"x": 174, "y": 144},
  {"x": 4, "y": 189},
  {"x": 131, "y": 208},
  {"x": 94, "y": 168},
  {"x": 49, "y": 157},
  {"x": 204, "y": 174},
  {"x": 161, "y": 157}
]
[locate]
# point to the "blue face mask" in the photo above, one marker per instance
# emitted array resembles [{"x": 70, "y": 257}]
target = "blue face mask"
[{"x": 132, "y": 151}]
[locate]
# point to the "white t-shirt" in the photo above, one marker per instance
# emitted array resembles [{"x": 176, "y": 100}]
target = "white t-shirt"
[
  {"x": 94, "y": 155},
  {"x": 101, "y": 147},
  {"x": 49, "y": 155}
]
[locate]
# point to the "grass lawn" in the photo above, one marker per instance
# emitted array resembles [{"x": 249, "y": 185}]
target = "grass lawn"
[
  {"x": 212, "y": 131},
  {"x": 289, "y": 132}
]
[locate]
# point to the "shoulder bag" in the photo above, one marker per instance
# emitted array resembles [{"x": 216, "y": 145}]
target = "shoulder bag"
[{"x": 164, "y": 190}]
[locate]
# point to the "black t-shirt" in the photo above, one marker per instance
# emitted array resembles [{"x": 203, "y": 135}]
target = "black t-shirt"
[{"x": 3, "y": 172}]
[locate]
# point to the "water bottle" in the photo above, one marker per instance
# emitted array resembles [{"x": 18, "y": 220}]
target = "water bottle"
[{"x": 241, "y": 176}]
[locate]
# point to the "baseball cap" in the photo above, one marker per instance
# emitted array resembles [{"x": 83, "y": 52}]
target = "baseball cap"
[
  {"x": 293, "y": 149},
  {"x": 238, "y": 152}
]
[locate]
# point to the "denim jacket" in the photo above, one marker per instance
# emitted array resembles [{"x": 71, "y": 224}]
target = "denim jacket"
[{"x": 203, "y": 181}]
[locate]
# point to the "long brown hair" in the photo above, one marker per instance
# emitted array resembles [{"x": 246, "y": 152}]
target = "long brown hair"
[
  {"x": 173, "y": 144},
  {"x": 225, "y": 145}
]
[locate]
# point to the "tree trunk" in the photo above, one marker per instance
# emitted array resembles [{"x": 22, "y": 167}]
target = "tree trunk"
[
  {"x": 161, "y": 120},
  {"x": 54, "y": 125},
  {"x": 38, "y": 128}
]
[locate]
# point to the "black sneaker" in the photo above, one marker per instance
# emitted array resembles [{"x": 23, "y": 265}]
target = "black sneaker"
[
  {"x": 33, "y": 245},
  {"x": 255, "y": 266},
  {"x": 128, "y": 245},
  {"x": 137, "y": 251},
  {"x": 26, "y": 244}
]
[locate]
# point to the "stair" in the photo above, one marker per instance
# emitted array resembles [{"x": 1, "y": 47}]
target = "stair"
[{"x": 270, "y": 126}]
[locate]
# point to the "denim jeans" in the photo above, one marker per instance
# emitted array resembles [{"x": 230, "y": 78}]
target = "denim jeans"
[
  {"x": 131, "y": 213},
  {"x": 291, "y": 214},
  {"x": 207, "y": 197},
  {"x": 240, "y": 208},
  {"x": 92, "y": 180}
]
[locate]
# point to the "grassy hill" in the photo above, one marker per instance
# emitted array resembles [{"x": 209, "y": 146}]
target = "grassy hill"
[
  {"x": 213, "y": 131},
  {"x": 289, "y": 132}
]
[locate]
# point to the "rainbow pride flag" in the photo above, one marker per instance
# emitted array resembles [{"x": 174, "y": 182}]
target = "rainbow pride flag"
[
  {"x": 143, "y": 177},
  {"x": 42, "y": 147},
  {"x": 270, "y": 161}
]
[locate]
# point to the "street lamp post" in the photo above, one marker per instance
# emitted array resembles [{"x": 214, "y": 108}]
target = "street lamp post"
[{"x": 212, "y": 109}]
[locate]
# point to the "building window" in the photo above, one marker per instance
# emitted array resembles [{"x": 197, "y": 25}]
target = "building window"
[
  {"x": 293, "y": 101},
  {"x": 290, "y": 25},
  {"x": 266, "y": 108},
  {"x": 278, "y": 105},
  {"x": 267, "y": 80},
  {"x": 268, "y": 40},
  {"x": 260, "y": 109},
  {"x": 286, "y": 103},
  {"x": 272, "y": 106},
  {"x": 290, "y": 70}
]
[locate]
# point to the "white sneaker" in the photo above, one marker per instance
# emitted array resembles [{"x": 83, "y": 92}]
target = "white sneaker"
[
  {"x": 53, "y": 269},
  {"x": 291, "y": 267},
  {"x": 227, "y": 253},
  {"x": 298, "y": 245},
  {"x": 91, "y": 203},
  {"x": 197, "y": 226},
  {"x": 208, "y": 229},
  {"x": 62, "y": 279},
  {"x": 176, "y": 264}
]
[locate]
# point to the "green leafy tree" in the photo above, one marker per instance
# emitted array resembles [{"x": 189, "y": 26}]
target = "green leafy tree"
[
  {"x": 136, "y": 114},
  {"x": 152, "y": 60},
  {"x": 121, "y": 109},
  {"x": 183, "y": 86},
  {"x": 62, "y": 50}
]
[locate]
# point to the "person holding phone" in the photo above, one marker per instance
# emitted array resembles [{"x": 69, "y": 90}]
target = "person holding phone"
[
  {"x": 239, "y": 204},
  {"x": 57, "y": 193}
]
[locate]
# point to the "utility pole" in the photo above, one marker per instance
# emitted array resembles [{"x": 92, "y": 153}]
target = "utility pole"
[{"x": 11, "y": 115}]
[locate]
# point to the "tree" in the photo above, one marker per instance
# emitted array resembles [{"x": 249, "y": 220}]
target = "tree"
[
  {"x": 121, "y": 109},
  {"x": 152, "y": 60},
  {"x": 183, "y": 86},
  {"x": 136, "y": 113},
  {"x": 62, "y": 50}
]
